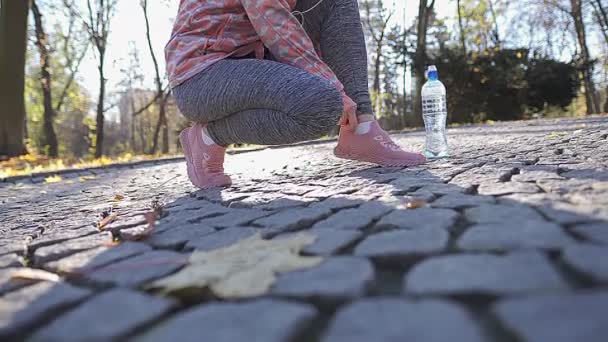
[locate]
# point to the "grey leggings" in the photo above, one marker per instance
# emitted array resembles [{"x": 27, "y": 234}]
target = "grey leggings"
[{"x": 265, "y": 102}]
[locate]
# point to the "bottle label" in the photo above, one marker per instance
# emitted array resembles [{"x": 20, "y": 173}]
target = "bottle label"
[{"x": 433, "y": 105}]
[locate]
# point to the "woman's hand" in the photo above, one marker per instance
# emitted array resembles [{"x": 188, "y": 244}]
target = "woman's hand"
[{"x": 349, "y": 116}]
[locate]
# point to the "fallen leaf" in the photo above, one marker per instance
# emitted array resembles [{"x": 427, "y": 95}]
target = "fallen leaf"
[
  {"x": 86, "y": 178},
  {"x": 34, "y": 274},
  {"x": 141, "y": 232},
  {"x": 245, "y": 269},
  {"x": 107, "y": 220},
  {"x": 53, "y": 179},
  {"x": 119, "y": 197},
  {"x": 415, "y": 203},
  {"x": 554, "y": 135}
]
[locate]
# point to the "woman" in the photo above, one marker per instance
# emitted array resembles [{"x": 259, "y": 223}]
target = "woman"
[{"x": 273, "y": 72}]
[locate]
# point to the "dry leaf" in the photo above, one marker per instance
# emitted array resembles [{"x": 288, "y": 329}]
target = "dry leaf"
[
  {"x": 86, "y": 178},
  {"x": 415, "y": 203},
  {"x": 34, "y": 274},
  {"x": 245, "y": 269},
  {"x": 107, "y": 220},
  {"x": 141, "y": 232},
  {"x": 53, "y": 179},
  {"x": 119, "y": 197}
]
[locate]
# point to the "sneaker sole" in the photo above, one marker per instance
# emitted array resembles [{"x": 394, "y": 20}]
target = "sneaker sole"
[{"x": 397, "y": 163}]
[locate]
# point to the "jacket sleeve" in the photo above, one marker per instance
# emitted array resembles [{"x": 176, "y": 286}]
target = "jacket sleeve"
[{"x": 286, "y": 39}]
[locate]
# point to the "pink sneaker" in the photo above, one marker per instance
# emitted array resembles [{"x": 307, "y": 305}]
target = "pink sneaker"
[
  {"x": 205, "y": 163},
  {"x": 375, "y": 146}
]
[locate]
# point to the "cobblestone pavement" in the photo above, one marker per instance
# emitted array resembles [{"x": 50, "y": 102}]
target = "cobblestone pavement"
[{"x": 512, "y": 245}]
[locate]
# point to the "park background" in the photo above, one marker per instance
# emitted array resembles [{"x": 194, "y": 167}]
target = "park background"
[{"x": 95, "y": 89}]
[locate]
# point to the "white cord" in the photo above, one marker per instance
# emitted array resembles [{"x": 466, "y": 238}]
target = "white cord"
[{"x": 301, "y": 14}]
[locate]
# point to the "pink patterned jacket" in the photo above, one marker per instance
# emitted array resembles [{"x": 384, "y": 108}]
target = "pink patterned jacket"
[{"x": 207, "y": 31}]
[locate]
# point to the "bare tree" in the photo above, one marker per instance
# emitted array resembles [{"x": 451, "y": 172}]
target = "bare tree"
[
  {"x": 13, "y": 40},
  {"x": 602, "y": 19},
  {"x": 74, "y": 50},
  {"x": 97, "y": 23},
  {"x": 576, "y": 12},
  {"x": 376, "y": 22},
  {"x": 601, "y": 16},
  {"x": 49, "y": 138},
  {"x": 424, "y": 12},
  {"x": 161, "y": 94},
  {"x": 461, "y": 28}
]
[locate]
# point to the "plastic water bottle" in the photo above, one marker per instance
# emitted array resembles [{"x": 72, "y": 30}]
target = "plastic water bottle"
[{"x": 434, "y": 112}]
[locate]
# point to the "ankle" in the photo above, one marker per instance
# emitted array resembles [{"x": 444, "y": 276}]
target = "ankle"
[
  {"x": 207, "y": 140},
  {"x": 366, "y": 117}
]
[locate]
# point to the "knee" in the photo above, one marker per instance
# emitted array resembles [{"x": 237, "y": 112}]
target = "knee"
[{"x": 323, "y": 112}]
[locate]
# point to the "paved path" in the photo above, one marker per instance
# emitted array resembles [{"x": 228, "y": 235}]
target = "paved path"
[{"x": 511, "y": 245}]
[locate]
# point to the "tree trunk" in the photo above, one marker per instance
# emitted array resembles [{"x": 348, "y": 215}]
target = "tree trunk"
[
  {"x": 161, "y": 99},
  {"x": 461, "y": 27},
  {"x": 420, "y": 57},
  {"x": 579, "y": 25},
  {"x": 100, "y": 107},
  {"x": 376, "y": 84},
  {"x": 163, "y": 114},
  {"x": 602, "y": 18},
  {"x": 49, "y": 138},
  {"x": 13, "y": 34}
]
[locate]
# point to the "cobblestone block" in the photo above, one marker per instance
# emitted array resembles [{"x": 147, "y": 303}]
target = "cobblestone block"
[
  {"x": 484, "y": 274},
  {"x": 500, "y": 213},
  {"x": 291, "y": 220},
  {"x": 336, "y": 279},
  {"x": 137, "y": 270},
  {"x": 354, "y": 219},
  {"x": 422, "y": 218},
  {"x": 97, "y": 257},
  {"x": 236, "y": 217},
  {"x": 331, "y": 241},
  {"x": 505, "y": 188},
  {"x": 122, "y": 311},
  {"x": 220, "y": 239},
  {"x": 34, "y": 304},
  {"x": 459, "y": 201},
  {"x": 262, "y": 320},
  {"x": 596, "y": 232},
  {"x": 60, "y": 250},
  {"x": 565, "y": 213},
  {"x": 400, "y": 244},
  {"x": 393, "y": 319},
  {"x": 178, "y": 236},
  {"x": 589, "y": 260},
  {"x": 506, "y": 236},
  {"x": 559, "y": 317}
]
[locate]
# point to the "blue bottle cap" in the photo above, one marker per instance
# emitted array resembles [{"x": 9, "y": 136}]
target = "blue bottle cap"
[{"x": 432, "y": 74}]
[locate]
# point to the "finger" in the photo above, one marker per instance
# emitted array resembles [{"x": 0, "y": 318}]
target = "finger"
[{"x": 352, "y": 122}]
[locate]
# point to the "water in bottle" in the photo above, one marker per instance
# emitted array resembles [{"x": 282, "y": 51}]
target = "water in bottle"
[{"x": 434, "y": 112}]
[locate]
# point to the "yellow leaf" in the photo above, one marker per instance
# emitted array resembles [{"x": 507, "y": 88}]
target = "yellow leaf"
[
  {"x": 86, "y": 178},
  {"x": 33, "y": 274},
  {"x": 119, "y": 197},
  {"x": 554, "y": 135},
  {"x": 245, "y": 269},
  {"x": 53, "y": 179}
]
